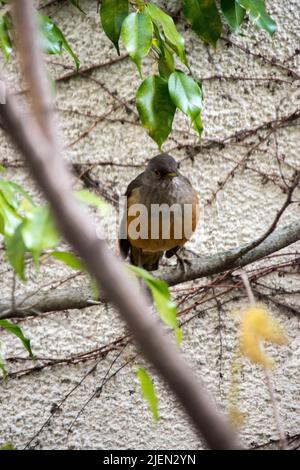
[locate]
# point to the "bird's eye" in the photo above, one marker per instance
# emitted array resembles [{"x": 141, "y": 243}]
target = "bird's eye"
[{"x": 157, "y": 172}]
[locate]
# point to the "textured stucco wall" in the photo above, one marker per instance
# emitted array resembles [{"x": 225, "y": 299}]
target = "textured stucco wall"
[{"x": 244, "y": 209}]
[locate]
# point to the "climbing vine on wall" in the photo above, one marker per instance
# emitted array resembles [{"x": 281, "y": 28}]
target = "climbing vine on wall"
[{"x": 147, "y": 30}]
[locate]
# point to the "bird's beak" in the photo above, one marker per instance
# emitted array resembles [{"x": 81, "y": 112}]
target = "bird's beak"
[{"x": 171, "y": 174}]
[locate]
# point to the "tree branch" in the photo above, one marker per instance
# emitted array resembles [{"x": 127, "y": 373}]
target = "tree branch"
[
  {"x": 36, "y": 77},
  {"x": 226, "y": 260},
  {"x": 76, "y": 298}
]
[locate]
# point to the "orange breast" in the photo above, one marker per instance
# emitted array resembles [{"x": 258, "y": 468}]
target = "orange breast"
[{"x": 141, "y": 227}]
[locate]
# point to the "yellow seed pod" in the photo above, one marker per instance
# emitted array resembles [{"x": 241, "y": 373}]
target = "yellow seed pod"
[{"x": 258, "y": 325}]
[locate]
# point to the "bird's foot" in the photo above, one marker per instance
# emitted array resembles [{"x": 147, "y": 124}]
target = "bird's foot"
[{"x": 182, "y": 261}]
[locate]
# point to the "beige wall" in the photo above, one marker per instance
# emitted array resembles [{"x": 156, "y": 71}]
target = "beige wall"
[{"x": 244, "y": 209}]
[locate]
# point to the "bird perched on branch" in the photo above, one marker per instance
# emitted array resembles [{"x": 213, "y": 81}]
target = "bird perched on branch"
[{"x": 161, "y": 213}]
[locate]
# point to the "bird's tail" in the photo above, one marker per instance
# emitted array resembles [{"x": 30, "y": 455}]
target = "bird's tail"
[{"x": 147, "y": 260}]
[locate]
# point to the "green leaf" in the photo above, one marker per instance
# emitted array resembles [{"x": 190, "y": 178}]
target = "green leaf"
[
  {"x": 39, "y": 232},
  {"x": 137, "y": 31},
  {"x": 112, "y": 14},
  {"x": 258, "y": 14},
  {"x": 9, "y": 190},
  {"x": 234, "y": 14},
  {"x": 148, "y": 392},
  {"x": 5, "y": 41},
  {"x": 7, "y": 446},
  {"x": 16, "y": 331},
  {"x": 9, "y": 193},
  {"x": 15, "y": 252},
  {"x": 69, "y": 259},
  {"x": 90, "y": 199},
  {"x": 52, "y": 39},
  {"x": 204, "y": 18},
  {"x": 76, "y": 4},
  {"x": 160, "y": 291},
  {"x": 10, "y": 217},
  {"x": 2, "y": 364},
  {"x": 166, "y": 64},
  {"x": 165, "y": 53},
  {"x": 187, "y": 96},
  {"x": 171, "y": 34},
  {"x": 155, "y": 107}
]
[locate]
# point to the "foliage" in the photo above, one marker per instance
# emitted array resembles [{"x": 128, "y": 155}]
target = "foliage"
[
  {"x": 155, "y": 108},
  {"x": 162, "y": 299},
  {"x": 148, "y": 392},
  {"x": 16, "y": 331},
  {"x": 112, "y": 14},
  {"x": 204, "y": 18},
  {"x": 52, "y": 38},
  {"x": 29, "y": 229},
  {"x": 150, "y": 31}
]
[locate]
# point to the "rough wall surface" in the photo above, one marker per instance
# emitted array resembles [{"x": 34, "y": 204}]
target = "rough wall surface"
[{"x": 97, "y": 127}]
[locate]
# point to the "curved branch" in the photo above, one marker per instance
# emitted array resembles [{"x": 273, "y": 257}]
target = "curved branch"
[
  {"x": 209, "y": 265},
  {"x": 81, "y": 297}
]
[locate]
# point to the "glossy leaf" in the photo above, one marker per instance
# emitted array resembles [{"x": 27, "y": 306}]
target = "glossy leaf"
[
  {"x": 52, "y": 39},
  {"x": 155, "y": 107},
  {"x": 234, "y": 14},
  {"x": 5, "y": 41},
  {"x": 39, "y": 232},
  {"x": 187, "y": 96},
  {"x": 112, "y": 14},
  {"x": 166, "y": 64},
  {"x": 148, "y": 392},
  {"x": 16, "y": 331},
  {"x": 15, "y": 252},
  {"x": 160, "y": 291},
  {"x": 137, "y": 32},
  {"x": 204, "y": 18},
  {"x": 258, "y": 14},
  {"x": 172, "y": 36},
  {"x": 69, "y": 259},
  {"x": 10, "y": 218}
]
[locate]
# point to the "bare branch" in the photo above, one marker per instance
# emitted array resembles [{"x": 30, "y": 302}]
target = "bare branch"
[
  {"x": 273, "y": 225},
  {"x": 76, "y": 298}
]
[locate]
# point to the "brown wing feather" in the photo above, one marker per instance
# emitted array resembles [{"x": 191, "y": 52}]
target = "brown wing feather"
[{"x": 124, "y": 244}]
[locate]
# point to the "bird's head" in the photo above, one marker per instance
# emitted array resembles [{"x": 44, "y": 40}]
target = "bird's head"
[{"x": 162, "y": 166}]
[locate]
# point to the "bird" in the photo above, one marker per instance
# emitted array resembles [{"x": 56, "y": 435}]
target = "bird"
[{"x": 160, "y": 215}]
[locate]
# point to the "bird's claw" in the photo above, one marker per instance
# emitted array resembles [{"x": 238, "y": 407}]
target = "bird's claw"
[{"x": 183, "y": 262}]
